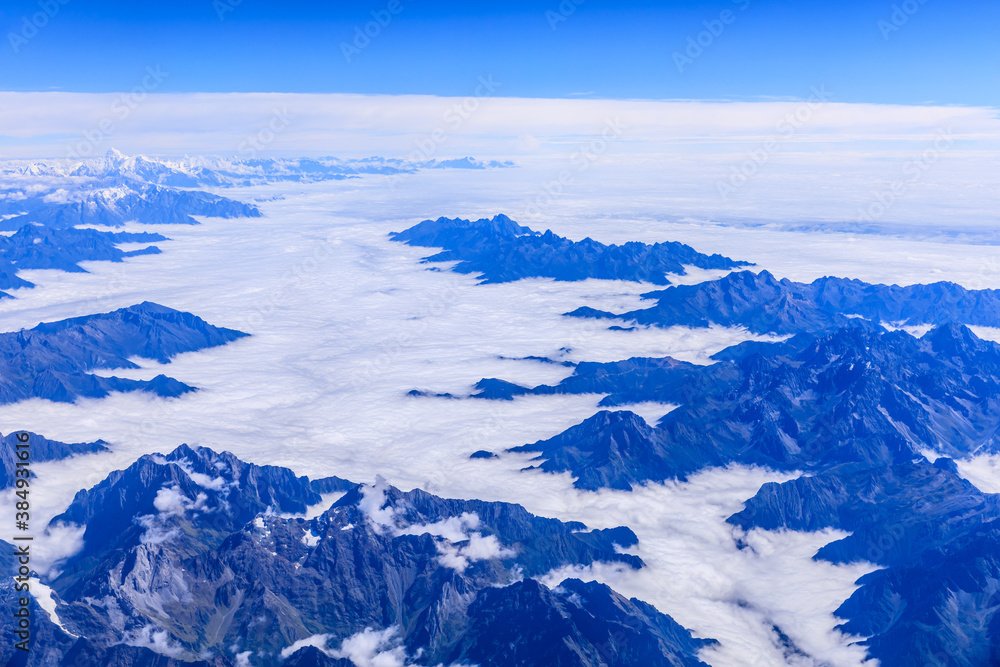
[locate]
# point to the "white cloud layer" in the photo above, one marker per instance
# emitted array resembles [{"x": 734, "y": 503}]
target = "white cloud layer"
[
  {"x": 345, "y": 322},
  {"x": 666, "y": 158}
]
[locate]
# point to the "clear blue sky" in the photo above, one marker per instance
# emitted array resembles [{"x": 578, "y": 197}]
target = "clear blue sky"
[{"x": 945, "y": 51}]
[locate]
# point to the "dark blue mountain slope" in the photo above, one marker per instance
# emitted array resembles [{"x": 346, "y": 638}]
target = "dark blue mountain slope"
[
  {"x": 763, "y": 304},
  {"x": 34, "y": 247},
  {"x": 574, "y": 624},
  {"x": 633, "y": 380},
  {"x": 500, "y": 250},
  {"x": 41, "y": 449},
  {"x": 54, "y": 360},
  {"x": 855, "y": 407},
  {"x": 132, "y": 202},
  {"x": 854, "y": 395},
  {"x": 48, "y": 643},
  {"x": 195, "y": 548},
  {"x": 936, "y": 535}
]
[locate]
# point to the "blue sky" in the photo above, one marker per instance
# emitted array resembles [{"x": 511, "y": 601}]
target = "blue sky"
[{"x": 912, "y": 52}]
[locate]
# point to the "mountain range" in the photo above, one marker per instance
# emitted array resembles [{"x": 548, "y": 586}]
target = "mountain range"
[
  {"x": 206, "y": 171},
  {"x": 37, "y": 247},
  {"x": 500, "y": 250},
  {"x": 56, "y": 360},
  {"x": 201, "y": 556},
  {"x": 763, "y": 304}
]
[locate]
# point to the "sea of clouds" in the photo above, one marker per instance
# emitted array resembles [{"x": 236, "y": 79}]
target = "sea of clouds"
[{"x": 345, "y": 322}]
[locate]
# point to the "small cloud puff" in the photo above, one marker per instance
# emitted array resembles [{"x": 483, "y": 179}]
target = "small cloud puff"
[
  {"x": 155, "y": 640},
  {"x": 368, "y": 648},
  {"x": 460, "y": 529},
  {"x": 372, "y": 504},
  {"x": 170, "y": 500}
]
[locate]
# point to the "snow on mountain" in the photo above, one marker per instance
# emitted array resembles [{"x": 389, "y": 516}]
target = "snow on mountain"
[
  {"x": 207, "y": 171},
  {"x": 187, "y": 556}
]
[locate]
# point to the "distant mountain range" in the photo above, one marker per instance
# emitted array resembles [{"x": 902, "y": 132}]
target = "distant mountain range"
[
  {"x": 55, "y": 360},
  {"x": 201, "y": 556},
  {"x": 851, "y": 396},
  {"x": 500, "y": 250},
  {"x": 763, "y": 304},
  {"x": 203, "y": 171},
  {"x": 145, "y": 204}
]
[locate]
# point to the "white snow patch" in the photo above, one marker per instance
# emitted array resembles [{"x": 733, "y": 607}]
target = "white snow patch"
[{"x": 46, "y": 600}]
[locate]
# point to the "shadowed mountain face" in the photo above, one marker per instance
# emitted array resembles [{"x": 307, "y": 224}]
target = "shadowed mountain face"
[
  {"x": 129, "y": 201},
  {"x": 55, "y": 360},
  {"x": 42, "y": 449},
  {"x": 198, "y": 554},
  {"x": 34, "y": 247},
  {"x": 857, "y": 408},
  {"x": 45, "y": 206},
  {"x": 854, "y": 395},
  {"x": 500, "y": 250},
  {"x": 763, "y": 304},
  {"x": 935, "y": 534}
]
